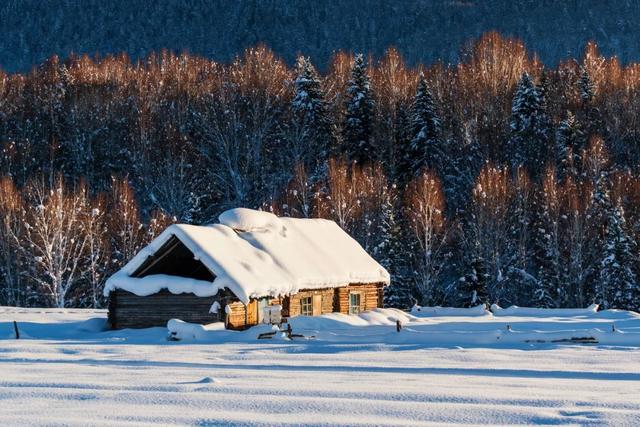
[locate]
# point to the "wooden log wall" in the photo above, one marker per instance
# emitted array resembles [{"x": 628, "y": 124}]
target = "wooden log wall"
[
  {"x": 127, "y": 310},
  {"x": 371, "y": 296},
  {"x": 337, "y": 299},
  {"x": 294, "y": 308}
]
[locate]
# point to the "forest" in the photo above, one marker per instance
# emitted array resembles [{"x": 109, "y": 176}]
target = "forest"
[{"x": 496, "y": 179}]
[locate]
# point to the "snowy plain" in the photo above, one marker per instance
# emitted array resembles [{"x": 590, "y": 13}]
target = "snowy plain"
[{"x": 445, "y": 367}]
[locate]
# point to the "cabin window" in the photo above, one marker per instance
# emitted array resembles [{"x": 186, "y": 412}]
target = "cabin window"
[
  {"x": 306, "y": 306},
  {"x": 354, "y": 303}
]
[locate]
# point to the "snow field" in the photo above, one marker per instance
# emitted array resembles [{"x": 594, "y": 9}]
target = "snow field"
[{"x": 358, "y": 371}]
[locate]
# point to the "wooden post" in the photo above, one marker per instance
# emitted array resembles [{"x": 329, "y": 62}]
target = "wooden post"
[
  {"x": 15, "y": 327},
  {"x": 398, "y": 325}
]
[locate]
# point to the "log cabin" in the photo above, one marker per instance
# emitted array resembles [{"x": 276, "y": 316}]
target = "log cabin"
[{"x": 230, "y": 271}]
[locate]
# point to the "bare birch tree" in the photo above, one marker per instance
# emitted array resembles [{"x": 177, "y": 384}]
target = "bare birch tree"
[
  {"x": 424, "y": 209},
  {"x": 54, "y": 240}
]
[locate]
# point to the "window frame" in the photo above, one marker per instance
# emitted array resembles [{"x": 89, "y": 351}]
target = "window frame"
[
  {"x": 306, "y": 306},
  {"x": 355, "y": 309}
]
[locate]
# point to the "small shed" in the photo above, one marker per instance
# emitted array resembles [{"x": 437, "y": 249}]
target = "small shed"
[{"x": 231, "y": 271}]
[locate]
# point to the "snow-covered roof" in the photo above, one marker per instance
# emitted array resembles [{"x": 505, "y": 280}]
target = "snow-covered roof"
[{"x": 255, "y": 254}]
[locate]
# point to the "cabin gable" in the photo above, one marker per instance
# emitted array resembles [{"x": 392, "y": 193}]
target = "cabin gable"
[{"x": 174, "y": 259}]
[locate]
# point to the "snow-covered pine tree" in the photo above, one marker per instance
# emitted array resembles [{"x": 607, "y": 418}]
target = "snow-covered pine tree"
[
  {"x": 358, "y": 126},
  {"x": 546, "y": 251},
  {"x": 618, "y": 284},
  {"x": 589, "y": 115},
  {"x": 393, "y": 254},
  {"x": 529, "y": 133},
  {"x": 598, "y": 212},
  {"x": 472, "y": 287},
  {"x": 585, "y": 86},
  {"x": 570, "y": 143},
  {"x": 545, "y": 124},
  {"x": 311, "y": 127},
  {"x": 543, "y": 86},
  {"x": 425, "y": 150}
]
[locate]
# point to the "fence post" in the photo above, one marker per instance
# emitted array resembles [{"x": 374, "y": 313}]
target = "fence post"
[{"x": 15, "y": 327}]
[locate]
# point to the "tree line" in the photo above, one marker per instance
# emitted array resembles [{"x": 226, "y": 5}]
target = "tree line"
[{"x": 493, "y": 180}]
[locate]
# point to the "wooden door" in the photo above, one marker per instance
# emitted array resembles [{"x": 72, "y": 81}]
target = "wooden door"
[
  {"x": 317, "y": 305},
  {"x": 252, "y": 313}
]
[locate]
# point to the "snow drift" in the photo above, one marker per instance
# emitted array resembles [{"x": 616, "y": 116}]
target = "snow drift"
[
  {"x": 514, "y": 310},
  {"x": 479, "y": 310}
]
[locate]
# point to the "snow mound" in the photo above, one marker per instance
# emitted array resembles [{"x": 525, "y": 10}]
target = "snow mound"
[
  {"x": 215, "y": 308},
  {"x": 243, "y": 219},
  {"x": 386, "y": 316},
  {"x": 182, "y": 330},
  {"x": 514, "y": 310},
  {"x": 479, "y": 310}
]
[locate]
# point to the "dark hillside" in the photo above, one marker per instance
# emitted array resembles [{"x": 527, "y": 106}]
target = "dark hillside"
[{"x": 423, "y": 31}]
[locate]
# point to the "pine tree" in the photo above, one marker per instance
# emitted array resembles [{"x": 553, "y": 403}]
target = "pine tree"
[
  {"x": 358, "y": 127},
  {"x": 544, "y": 120},
  {"x": 598, "y": 213},
  {"x": 570, "y": 143},
  {"x": 472, "y": 288},
  {"x": 543, "y": 87},
  {"x": 546, "y": 253},
  {"x": 393, "y": 255},
  {"x": 590, "y": 114},
  {"x": 425, "y": 150},
  {"x": 618, "y": 284},
  {"x": 586, "y": 86},
  {"x": 529, "y": 135},
  {"x": 311, "y": 120}
]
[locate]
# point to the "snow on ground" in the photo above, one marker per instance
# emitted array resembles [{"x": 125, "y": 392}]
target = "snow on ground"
[{"x": 440, "y": 369}]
